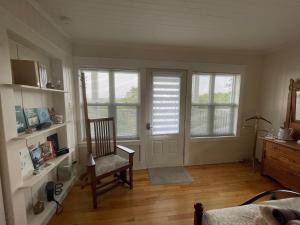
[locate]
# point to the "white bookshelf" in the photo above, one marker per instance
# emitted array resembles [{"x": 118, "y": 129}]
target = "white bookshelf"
[{"x": 24, "y": 192}]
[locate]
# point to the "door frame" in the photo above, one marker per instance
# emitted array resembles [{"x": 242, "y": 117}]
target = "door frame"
[{"x": 182, "y": 117}]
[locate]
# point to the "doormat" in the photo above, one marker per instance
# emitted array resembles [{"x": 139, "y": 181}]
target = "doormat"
[{"x": 169, "y": 175}]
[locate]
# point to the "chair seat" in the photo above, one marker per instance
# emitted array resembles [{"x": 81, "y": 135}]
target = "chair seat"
[{"x": 109, "y": 163}]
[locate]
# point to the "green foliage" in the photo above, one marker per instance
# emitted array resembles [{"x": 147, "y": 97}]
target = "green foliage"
[
  {"x": 221, "y": 97},
  {"x": 130, "y": 97}
]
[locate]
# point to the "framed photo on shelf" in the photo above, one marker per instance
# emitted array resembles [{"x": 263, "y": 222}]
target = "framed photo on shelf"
[
  {"x": 36, "y": 156},
  {"x": 32, "y": 117},
  {"x": 25, "y": 162},
  {"x": 20, "y": 119},
  {"x": 43, "y": 115},
  {"x": 47, "y": 151}
]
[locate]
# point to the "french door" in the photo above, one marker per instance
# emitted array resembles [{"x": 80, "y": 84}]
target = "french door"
[{"x": 166, "y": 114}]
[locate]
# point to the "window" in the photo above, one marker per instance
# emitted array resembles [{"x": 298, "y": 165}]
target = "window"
[
  {"x": 114, "y": 93},
  {"x": 215, "y": 99}
]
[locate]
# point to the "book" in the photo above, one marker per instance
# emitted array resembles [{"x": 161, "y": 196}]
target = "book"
[
  {"x": 20, "y": 119},
  {"x": 32, "y": 117},
  {"x": 25, "y": 162},
  {"x": 47, "y": 151},
  {"x": 43, "y": 115},
  {"x": 54, "y": 140},
  {"x": 36, "y": 156}
]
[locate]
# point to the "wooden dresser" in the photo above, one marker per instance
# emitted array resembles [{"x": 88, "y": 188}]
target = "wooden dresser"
[{"x": 281, "y": 161}]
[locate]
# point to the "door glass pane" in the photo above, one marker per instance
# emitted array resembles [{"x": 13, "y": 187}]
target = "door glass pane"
[
  {"x": 223, "y": 89},
  {"x": 97, "y": 86},
  {"x": 165, "y": 104},
  {"x": 127, "y": 121},
  {"x": 126, "y": 87},
  {"x": 200, "y": 89},
  {"x": 200, "y": 121},
  {"x": 223, "y": 120}
]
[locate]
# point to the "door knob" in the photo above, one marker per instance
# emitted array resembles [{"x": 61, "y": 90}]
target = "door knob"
[{"x": 148, "y": 126}]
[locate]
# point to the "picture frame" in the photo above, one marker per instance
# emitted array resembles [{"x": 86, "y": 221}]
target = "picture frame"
[
  {"x": 20, "y": 119},
  {"x": 47, "y": 151},
  {"x": 32, "y": 118},
  {"x": 43, "y": 115},
  {"x": 36, "y": 156}
]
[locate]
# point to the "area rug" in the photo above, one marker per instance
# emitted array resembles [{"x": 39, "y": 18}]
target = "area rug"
[{"x": 169, "y": 175}]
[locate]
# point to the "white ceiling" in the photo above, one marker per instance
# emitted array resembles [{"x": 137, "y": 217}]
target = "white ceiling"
[{"x": 257, "y": 25}]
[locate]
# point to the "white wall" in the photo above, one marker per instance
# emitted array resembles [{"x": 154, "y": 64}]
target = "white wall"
[
  {"x": 198, "y": 152},
  {"x": 278, "y": 69}
]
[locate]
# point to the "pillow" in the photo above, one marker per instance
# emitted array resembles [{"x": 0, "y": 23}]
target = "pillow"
[
  {"x": 267, "y": 216},
  {"x": 271, "y": 215},
  {"x": 285, "y": 215}
]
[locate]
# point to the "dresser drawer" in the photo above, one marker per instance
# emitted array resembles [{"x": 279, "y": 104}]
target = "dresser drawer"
[
  {"x": 288, "y": 158},
  {"x": 282, "y": 174}
]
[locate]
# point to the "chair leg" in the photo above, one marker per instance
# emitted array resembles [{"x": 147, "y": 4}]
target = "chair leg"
[
  {"x": 130, "y": 178},
  {"x": 123, "y": 176},
  {"x": 93, "y": 186}
]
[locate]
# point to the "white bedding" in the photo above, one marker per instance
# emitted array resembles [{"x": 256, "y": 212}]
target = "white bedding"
[{"x": 244, "y": 215}]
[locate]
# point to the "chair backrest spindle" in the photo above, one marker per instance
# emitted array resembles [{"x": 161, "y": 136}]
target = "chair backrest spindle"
[{"x": 104, "y": 136}]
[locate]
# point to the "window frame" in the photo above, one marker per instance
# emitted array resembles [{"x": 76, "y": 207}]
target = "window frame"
[
  {"x": 233, "y": 106},
  {"x": 112, "y": 104}
]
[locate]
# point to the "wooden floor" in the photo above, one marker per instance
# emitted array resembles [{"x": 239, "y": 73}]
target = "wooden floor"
[{"x": 214, "y": 185}]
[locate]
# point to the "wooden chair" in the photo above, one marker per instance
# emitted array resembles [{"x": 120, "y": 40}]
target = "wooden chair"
[{"x": 103, "y": 160}]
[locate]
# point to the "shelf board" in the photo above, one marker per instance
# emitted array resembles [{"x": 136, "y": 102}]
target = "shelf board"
[
  {"x": 27, "y": 87},
  {"x": 50, "y": 207},
  {"x": 52, "y": 164},
  {"x": 39, "y": 132}
]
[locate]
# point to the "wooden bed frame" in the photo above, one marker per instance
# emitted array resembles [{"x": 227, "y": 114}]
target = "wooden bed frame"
[{"x": 199, "y": 209}]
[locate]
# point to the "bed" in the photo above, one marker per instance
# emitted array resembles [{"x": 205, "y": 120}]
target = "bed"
[{"x": 246, "y": 213}]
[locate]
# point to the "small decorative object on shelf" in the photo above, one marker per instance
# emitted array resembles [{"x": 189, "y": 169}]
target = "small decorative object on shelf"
[
  {"x": 38, "y": 207},
  {"x": 62, "y": 151},
  {"x": 43, "y": 75},
  {"x": 54, "y": 117},
  {"x": 29, "y": 131},
  {"x": 54, "y": 140},
  {"x": 50, "y": 85},
  {"x": 58, "y": 85},
  {"x": 59, "y": 119},
  {"x": 20, "y": 119}
]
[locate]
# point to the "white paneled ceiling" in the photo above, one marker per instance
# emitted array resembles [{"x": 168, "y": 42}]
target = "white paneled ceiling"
[{"x": 226, "y": 24}]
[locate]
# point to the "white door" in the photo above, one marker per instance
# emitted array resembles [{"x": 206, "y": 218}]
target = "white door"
[{"x": 165, "y": 142}]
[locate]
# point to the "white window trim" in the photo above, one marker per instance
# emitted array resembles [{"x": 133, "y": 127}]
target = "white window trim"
[
  {"x": 211, "y": 136},
  {"x": 112, "y": 105}
]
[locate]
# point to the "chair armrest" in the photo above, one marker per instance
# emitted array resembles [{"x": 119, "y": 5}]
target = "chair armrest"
[
  {"x": 125, "y": 149},
  {"x": 90, "y": 160}
]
